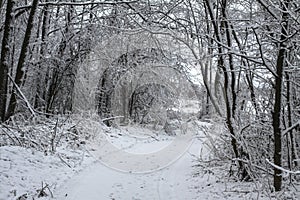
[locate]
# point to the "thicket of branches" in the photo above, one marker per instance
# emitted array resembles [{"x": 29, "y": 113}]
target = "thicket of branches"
[{"x": 247, "y": 52}]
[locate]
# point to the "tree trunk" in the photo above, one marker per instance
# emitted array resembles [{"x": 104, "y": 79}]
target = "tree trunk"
[
  {"x": 278, "y": 96},
  {"x": 1, "y": 2},
  {"x": 4, "y": 63},
  {"x": 292, "y": 156},
  {"x": 41, "y": 88},
  {"x": 230, "y": 60},
  {"x": 20, "y": 67},
  {"x": 229, "y": 97}
]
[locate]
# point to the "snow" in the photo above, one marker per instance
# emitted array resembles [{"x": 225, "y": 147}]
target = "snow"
[
  {"x": 144, "y": 142},
  {"x": 81, "y": 174},
  {"x": 24, "y": 171},
  {"x": 101, "y": 182},
  {"x": 160, "y": 152}
]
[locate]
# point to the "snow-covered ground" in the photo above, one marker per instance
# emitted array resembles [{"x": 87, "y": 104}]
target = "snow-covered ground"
[
  {"x": 80, "y": 174},
  {"x": 101, "y": 182},
  {"x": 30, "y": 173}
]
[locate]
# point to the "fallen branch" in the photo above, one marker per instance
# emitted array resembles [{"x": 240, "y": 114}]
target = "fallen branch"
[
  {"x": 111, "y": 118},
  {"x": 22, "y": 95}
]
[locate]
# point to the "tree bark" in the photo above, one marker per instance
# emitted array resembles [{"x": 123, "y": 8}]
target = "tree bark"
[
  {"x": 280, "y": 64},
  {"x": 230, "y": 60},
  {"x": 20, "y": 67},
  {"x": 4, "y": 63}
]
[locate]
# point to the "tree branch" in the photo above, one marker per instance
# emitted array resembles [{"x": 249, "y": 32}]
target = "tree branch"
[
  {"x": 282, "y": 169},
  {"x": 290, "y": 128},
  {"x": 57, "y": 3}
]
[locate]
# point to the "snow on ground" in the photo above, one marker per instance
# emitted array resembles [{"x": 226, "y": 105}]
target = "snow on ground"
[
  {"x": 100, "y": 182},
  {"x": 23, "y": 172},
  {"x": 146, "y": 141},
  {"x": 77, "y": 174}
]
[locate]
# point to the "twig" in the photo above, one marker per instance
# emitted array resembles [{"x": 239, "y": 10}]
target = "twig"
[
  {"x": 54, "y": 136},
  {"x": 110, "y": 118},
  {"x": 50, "y": 191},
  {"x": 63, "y": 160},
  {"x": 10, "y": 137},
  {"x": 42, "y": 193},
  {"x": 256, "y": 166},
  {"x": 152, "y": 136},
  {"x": 291, "y": 128},
  {"x": 7, "y": 127},
  {"x": 58, "y": 3},
  {"x": 241, "y": 191}
]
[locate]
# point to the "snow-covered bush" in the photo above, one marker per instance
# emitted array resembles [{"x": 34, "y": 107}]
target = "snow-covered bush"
[{"x": 46, "y": 134}]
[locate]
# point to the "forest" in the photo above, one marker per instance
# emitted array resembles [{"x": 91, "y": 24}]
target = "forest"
[{"x": 157, "y": 64}]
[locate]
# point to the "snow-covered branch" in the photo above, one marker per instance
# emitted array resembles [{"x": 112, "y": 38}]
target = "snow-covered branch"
[
  {"x": 58, "y": 3},
  {"x": 282, "y": 169}
]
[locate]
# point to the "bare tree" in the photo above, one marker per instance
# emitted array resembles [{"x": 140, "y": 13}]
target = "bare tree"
[{"x": 4, "y": 63}]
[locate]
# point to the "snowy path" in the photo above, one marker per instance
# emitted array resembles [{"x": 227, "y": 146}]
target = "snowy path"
[
  {"x": 99, "y": 182},
  {"x": 82, "y": 176}
]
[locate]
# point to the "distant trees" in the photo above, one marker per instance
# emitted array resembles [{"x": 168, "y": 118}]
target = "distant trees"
[{"x": 43, "y": 56}]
